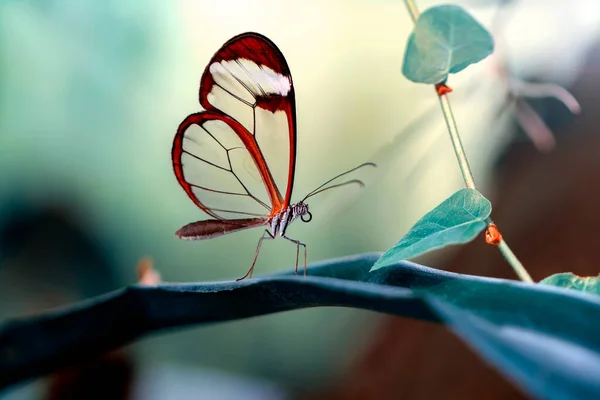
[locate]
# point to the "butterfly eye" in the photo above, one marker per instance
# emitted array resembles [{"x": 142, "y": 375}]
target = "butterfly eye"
[{"x": 306, "y": 217}]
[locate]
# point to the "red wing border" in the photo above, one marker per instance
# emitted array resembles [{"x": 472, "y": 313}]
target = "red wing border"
[
  {"x": 249, "y": 73},
  {"x": 246, "y": 138}
]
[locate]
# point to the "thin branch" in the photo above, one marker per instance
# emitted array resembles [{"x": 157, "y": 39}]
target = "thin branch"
[
  {"x": 412, "y": 10},
  {"x": 514, "y": 262},
  {"x": 461, "y": 156},
  {"x": 538, "y": 90}
]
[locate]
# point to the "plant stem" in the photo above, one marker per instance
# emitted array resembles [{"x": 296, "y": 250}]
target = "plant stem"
[
  {"x": 412, "y": 9},
  {"x": 449, "y": 117},
  {"x": 494, "y": 238},
  {"x": 442, "y": 92},
  {"x": 514, "y": 262},
  {"x": 456, "y": 142}
]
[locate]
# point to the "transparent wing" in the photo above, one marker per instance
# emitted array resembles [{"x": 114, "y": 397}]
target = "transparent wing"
[
  {"x": 233, "y": 158},
  {"x": 214, "y": 168}
]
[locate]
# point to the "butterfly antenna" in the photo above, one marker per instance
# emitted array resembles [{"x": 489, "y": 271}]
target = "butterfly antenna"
[
  {"x": 354, "y": 181},
  {"x": 321, "y": 189}
]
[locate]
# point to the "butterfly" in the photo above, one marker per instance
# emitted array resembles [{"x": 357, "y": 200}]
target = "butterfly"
[{"x": 233, "y": 158}]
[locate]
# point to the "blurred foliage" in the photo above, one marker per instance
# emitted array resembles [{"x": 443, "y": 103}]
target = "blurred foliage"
[{"x": 589, "y": 284}]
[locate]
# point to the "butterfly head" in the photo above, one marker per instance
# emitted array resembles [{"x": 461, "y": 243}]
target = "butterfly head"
[{"x": 301, "y": 210}]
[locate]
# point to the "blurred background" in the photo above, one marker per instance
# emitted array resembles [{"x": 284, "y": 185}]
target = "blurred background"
[{"x": 91, "y": 94}]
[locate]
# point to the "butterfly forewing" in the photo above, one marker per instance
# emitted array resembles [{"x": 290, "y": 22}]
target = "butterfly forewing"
[
  {"x": 274, "y": 146},
  {"x": 236, "y": 158}
]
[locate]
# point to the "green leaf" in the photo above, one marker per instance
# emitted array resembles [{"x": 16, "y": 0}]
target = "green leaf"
[
  {"x": 543, "y": 338},
  {"x": 502, "y": 322},
  {"x": 590, "y": 284},
  {"x": 446, "y": 40},
  {"x": 458, "y": 219}
]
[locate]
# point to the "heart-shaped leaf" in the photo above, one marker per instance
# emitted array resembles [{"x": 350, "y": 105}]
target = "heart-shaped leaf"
[
  {"x": 446, "y": 40},
  {"x": 458, "y": 219},
  {"x": 590, "y": 284}
]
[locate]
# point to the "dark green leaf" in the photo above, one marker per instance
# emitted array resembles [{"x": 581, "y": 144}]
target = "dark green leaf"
[{"x": 546, "y": 339}]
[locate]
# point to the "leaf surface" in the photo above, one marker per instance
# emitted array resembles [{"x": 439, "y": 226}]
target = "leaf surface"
[
  {"x": 589, "y": 284},
  {"x": 458, "y": 219},
  {"x": 544, "y": 338},
  {"x": 445, "y": 40}
]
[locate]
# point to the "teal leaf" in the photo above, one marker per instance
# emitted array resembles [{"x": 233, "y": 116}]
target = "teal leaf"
[
  {"x": 458, "y": 219},
  {"x": 544, "y": 339},
  {"x": 590, "y": 284},
  {"x": 553, "y": 362},
  {"x": 446, "y": 40}
]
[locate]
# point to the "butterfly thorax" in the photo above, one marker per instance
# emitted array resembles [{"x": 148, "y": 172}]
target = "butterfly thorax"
[{"x": 280, "y": 221}]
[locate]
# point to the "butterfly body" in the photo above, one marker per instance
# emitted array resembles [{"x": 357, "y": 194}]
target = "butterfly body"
[{"x": 280, "y": 221}]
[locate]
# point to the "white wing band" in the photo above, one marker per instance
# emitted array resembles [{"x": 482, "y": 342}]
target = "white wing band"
[{"x": 259, "y": 80}]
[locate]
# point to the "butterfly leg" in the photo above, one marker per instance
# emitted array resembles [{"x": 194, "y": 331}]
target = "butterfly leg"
[
  {"x": 298, "y": 244},
  {"x": 266, "y": 235}
]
